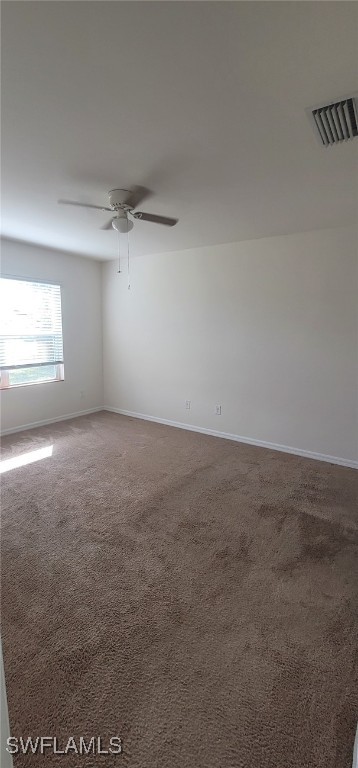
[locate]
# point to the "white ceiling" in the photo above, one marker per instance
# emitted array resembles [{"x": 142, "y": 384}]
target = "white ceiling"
[{"x": 202, "y": 102}]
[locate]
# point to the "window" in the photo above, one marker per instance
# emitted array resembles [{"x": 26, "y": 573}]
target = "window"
[{"x": 31, "y": 347}]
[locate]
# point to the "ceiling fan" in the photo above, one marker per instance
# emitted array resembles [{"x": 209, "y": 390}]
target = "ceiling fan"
[{"x": 122, "y": 203}]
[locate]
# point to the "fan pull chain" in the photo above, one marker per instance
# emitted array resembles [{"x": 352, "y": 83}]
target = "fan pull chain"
[
  {"x": 129, "y": 280},
  {"x": 119, "y": 253}
]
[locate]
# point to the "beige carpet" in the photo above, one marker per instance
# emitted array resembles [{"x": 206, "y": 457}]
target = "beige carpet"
[{"x": 194, "y": 596}]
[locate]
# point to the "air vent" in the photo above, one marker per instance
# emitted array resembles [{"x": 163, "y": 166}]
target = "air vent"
[{"x": 336, "y": 122}]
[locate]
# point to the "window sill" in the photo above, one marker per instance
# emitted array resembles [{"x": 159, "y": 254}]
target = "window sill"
[{"x": 31, "y": 384}]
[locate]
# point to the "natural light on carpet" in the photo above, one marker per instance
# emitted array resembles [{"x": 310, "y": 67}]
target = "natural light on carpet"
[{"x": 25, "y": 458}]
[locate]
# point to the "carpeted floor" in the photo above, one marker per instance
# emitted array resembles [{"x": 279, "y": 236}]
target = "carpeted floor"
[{"x": 196, "y": 597}]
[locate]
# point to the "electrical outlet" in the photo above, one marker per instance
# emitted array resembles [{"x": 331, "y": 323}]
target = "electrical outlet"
[
  {"x": 187, "y": 404},
  {"x": 218, "y": 410}
]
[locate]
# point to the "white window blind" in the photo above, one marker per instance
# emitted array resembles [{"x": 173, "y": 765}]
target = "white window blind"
[{"x": 30, "y": 324}]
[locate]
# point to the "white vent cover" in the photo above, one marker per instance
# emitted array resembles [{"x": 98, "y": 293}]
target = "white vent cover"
[{"x": 336, "y": 122}]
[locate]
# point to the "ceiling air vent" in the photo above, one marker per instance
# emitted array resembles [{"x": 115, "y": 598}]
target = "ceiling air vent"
[{"x": 336, "y": 122}]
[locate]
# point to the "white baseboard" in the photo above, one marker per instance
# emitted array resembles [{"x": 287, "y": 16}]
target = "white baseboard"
[
  {"x": 191, "y": 428},
  {"x": 43, "y": 423},
  {"x": 238, "y": 438},
  {"x": 6, "y": 759},
  {"x": 355, "y": 753}
]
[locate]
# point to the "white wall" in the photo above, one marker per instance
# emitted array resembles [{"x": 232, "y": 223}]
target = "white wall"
[
  {"x": 80, "y": 281},
  {"x": 266, "y": 328}
]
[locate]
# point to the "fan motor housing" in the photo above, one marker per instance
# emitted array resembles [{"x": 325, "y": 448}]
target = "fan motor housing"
[{"x": 117, "y": 198}]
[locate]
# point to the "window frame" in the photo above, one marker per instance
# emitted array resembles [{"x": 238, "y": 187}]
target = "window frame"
[
  {"x": 60, "y": 367},
  {"x": 4, "y": 376}
]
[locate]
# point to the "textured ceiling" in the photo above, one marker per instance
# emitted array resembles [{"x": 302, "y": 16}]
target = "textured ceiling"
[{"x": 202, "y": 102}]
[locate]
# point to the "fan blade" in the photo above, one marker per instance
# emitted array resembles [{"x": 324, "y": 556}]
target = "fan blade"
[
  {"x": 108, "y": 225},
  {"x": 83, "y": 205},
  {"x": 156, "y": 219},
  {"x": 136, "y": 196}
]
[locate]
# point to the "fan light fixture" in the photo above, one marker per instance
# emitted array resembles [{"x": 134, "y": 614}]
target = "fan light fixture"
[{"x": 122, "y": 224}]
